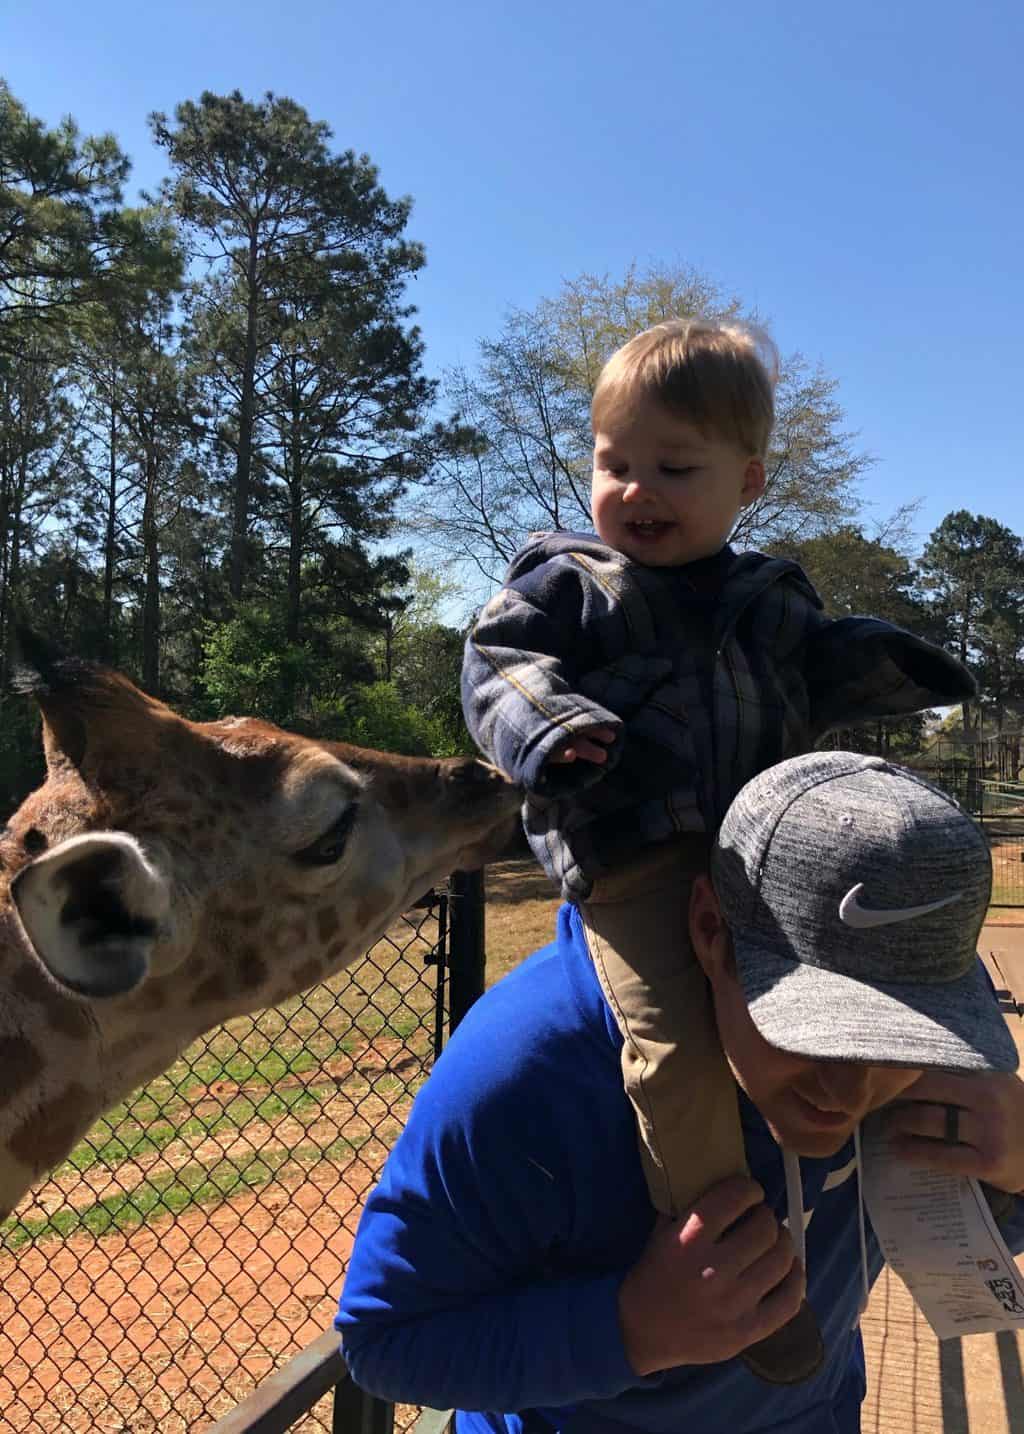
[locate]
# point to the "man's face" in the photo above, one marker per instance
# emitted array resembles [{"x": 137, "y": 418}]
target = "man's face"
[
  {"x": 662, "y": 493},
  {"x": 811, "y": 1107}
]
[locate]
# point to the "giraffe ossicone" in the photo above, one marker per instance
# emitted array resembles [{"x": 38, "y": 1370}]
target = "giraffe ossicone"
[{"x": 170, "y": 874}]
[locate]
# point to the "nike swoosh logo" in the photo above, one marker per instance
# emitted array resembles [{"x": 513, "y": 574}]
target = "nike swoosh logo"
[{"x": 853, "y": 914}]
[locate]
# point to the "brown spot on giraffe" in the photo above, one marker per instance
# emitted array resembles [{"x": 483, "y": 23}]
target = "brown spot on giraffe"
[
  {"x": 327, "y": 924},
  {"x": 153, "y": 996},
  {"x": 252, "y": 969},
  {"x": 122, "y": 1050},
  {"x": 334, "y": 954},
  {"x": 49, "y": 1132},
  {"x": 292, "y": 936},
  {"x": 368, "y": 907},
  {"x": 178, "y": 807},
  {"x": 20, "y": 1062},
  {"x": 398, "y": 796},
  {"x": 308, "y": 974},
  {"x": 63, "y": 1015},
  {"x": 214, "y": 988}
]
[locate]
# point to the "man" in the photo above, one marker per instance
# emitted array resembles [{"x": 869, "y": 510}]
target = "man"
[{"x": 510, "y": 1263}]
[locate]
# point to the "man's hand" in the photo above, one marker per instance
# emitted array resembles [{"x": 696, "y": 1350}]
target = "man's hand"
[
  {"x": 589, "y": 744},
  {"x": 710, "y": 1284},
  {"x": 990, "y": 1125}
]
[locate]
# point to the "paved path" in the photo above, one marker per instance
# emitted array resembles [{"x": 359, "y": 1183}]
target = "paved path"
[{"x": 971, "y": 1386}]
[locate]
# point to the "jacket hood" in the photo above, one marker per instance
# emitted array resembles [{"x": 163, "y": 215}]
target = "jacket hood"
[{"x": 750, "y": 571}]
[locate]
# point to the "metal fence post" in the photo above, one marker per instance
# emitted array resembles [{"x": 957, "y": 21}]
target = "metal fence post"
[
  {"x": 356, "y": 1412},
  {"x": 466, "y": 959}
]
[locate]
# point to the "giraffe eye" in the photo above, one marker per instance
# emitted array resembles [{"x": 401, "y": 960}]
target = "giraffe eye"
[{"x": 330, "y": 847}]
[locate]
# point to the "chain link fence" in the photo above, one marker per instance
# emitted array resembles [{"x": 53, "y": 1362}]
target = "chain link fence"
[
  {"x": 1002, "y": 821},
  {"x": 198, "y": 1236}
]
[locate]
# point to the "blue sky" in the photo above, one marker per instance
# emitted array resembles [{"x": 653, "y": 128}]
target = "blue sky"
[{"x": 852, "y": 170}]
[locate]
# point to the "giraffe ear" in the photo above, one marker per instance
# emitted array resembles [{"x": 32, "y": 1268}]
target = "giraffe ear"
[{"x": 91, "y": 909}]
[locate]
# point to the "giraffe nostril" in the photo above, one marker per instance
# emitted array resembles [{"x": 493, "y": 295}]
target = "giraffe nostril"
[
  {"x": 478, "y": 778},
  {"x": 470, "y": 772},
  {"x": 489, "y": 776}
]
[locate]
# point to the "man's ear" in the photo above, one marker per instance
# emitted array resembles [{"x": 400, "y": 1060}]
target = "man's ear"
[{"x": 708, "y": 931}]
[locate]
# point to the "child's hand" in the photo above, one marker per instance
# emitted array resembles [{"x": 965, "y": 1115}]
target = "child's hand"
[{"x": 589, "y": 744}]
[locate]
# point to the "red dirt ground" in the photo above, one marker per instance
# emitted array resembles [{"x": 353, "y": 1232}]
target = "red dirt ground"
[{"x": 167, "y": 1327}]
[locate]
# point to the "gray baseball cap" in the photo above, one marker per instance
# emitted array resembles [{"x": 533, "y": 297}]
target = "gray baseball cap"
[{"x": 855, "y": 892}]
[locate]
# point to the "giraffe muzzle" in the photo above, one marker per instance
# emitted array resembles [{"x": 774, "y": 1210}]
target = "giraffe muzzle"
[{"x": 92, "y": 909}]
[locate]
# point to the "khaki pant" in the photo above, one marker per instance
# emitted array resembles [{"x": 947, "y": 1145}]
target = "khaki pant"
[{"x": 673, "y": 1066}]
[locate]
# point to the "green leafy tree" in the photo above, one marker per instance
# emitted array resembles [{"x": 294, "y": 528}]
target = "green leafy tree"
[
  {"x": 859, "y": 575},
  {"x": 22, "y": 767},
  {"x": 973, "y": 570},
  {"x": 856, "y": 574},
  {"x": 422, "y": 656},
  {"x": 41, "y": 466},
  {"x": 250, "y": 666},
  {"x": 346, "y": 410},
  {"x": 139, "y": 415},
  {"x": 378, "y": 716},
  {"x": 264, "y": 199},
  {"x": 1000, "y": 670},
  {"x": 427, "y": 673},
  {"x": 64, "y": 237}
]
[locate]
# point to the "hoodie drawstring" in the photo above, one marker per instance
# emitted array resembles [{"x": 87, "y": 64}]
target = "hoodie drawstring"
[
  {"x": 865, "y": 1282},
  {"x": 797, "y": 1221},
  {"x": 795, "y": 1204}
]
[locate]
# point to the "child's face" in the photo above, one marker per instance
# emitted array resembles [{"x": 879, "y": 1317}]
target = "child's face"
[{"x": 662, "y": 493}]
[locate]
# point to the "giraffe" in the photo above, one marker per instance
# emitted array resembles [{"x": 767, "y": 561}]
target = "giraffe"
[{"x": 169, "y": 874}]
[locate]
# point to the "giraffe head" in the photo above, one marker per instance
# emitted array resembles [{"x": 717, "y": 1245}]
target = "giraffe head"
[{"x": 169, "y": 874}]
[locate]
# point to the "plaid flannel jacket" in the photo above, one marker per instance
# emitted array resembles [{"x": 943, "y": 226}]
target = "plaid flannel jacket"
[{"x": 702, "y": 695}]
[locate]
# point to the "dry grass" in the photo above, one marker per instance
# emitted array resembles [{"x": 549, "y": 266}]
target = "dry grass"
[{"x": 521, "y": 907}]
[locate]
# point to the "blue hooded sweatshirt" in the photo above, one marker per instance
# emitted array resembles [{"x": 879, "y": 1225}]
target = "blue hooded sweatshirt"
[{"x": 487, "y": 1265}]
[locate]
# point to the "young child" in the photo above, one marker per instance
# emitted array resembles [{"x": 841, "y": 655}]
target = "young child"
[{"x": 633, "y": 682}]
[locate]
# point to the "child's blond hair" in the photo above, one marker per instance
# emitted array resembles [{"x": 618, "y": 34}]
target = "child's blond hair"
[{"x": 719, "y": 376}]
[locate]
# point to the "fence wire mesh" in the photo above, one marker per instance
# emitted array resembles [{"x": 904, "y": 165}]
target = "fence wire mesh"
[
  {"x": 197, "y": 1238},
  {"x": 1002, "y": 821},
  {"x": 1006, "y": 843}
]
